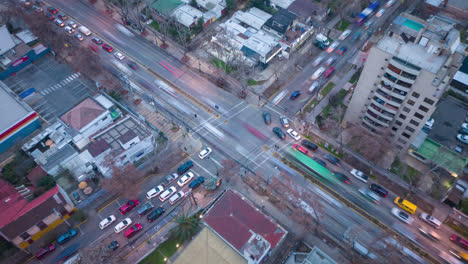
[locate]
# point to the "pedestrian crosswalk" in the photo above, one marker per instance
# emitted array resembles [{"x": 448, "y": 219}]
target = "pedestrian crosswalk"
[{"x": 59, "y": 85}]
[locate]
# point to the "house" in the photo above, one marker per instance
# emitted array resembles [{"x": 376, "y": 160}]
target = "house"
[
  {"x": 307, "y": 10},
  {"x": 279, "y": 23},
  {"x": 24, "y": 221},
  {"x": 164, "y": 7},
  {"x": 187, "y": 15}
]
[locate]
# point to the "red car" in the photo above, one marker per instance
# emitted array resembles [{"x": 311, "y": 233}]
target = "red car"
[
  {"x": 94, "y": 48},
  {"x": 128, "y": 206},
  {"x": 44, "y": 251},
  {"x": 52, "y": 10},
  {"x": 460, "y": 241},
  {"x": 133, "y": 230},
  {"x": 300, "y": 148},
  {"x": 107, "y": 47}
]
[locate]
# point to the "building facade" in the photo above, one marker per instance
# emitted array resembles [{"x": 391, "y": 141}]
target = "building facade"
[{"x": 403, "y": 78}]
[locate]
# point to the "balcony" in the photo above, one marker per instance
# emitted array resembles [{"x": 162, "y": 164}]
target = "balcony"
[
  {"x": 398, "y": 94},
  {"x": 383, "y": 93},
  {"x": 371, "y": 124},
  {"x": 373, "y": 110},
  {"x": 386, "y": 116},
  {"x": 400, "y": 87},
  {"x": 391, "y": 109},
  {"x": 407, "y": 80},
  {"x": 378, "y": 101},
  {"x": 389, "y": 78},
  {"x": 376, "y": 108},
  {"x": 385, "y": 85},
  {"x": 405, "y": 66},
  {"x": 376, "y": 121}
]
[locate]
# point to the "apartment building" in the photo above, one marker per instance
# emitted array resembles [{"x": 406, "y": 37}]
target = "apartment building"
[{"x": 404, "y": 77}]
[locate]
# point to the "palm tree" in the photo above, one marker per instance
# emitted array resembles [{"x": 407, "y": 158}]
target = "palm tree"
[{"x": 186, "y": 227}]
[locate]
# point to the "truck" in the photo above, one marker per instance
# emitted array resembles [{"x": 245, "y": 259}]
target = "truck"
[{"x": 321, "y": 41}]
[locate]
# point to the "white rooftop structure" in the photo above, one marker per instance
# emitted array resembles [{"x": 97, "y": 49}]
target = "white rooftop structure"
[
  {"x": 261, "y": 42},
  {"x": 187, "y": 15},
  {"x": 26, "y": 36},
  {"x": 6, "y": 42},
  {"x": 254, "y": 17},
  {"x": 284, "y": 4}
]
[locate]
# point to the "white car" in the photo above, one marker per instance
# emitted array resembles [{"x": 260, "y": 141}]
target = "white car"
[
  {"x": 318, "y": 60},
  {"x": 185, "y": 179},
  {"x": 345, "y": 34},
  {"x": 360, "y": 175},
  {"x": 107, "y": 221},
  {"x": 318, "y": 73},
  {"x": 293, "y": 134},
  {"x": 167, "y": 193},
  {"x": 330, "y": 61},
  {"x": 430, "y": 220},
  {"x": 204, "y": 153},
  {"x": 119, "y": 55},
  {"x": 389, "y": 3},
  {"x": 464, "y": 125},
  {"x": 69, "y": 30},
  {"x": 79, "y": 37},
  {"x": 59, "y": 22},
  {"x": 72, "y": 24},
  {"x": 154, "y": 192},
  {"x": 404, "y": 217},
  {"x": 176, "y": 197},
  {"x": 333, "y": 46},
  {"x": 370, "y": 195},
  {"x": 463, "y": 138},
  {"x": 122, "y": 225},
  {"x": 380, "y": 13}
]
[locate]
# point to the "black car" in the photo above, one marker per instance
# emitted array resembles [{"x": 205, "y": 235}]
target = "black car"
[
  {"x": 321, "y": 162},
  {"x": 279, "y": 133},
  {"x": 309, "y": 145},
  {"x": 379, "y": 190},
  {"x": 113, "y": 245},
  {"x": 38, "y": 2},
  {"x": 62, "y": 16},
  {"x": 52, "y": 10},
  {"x": 342, "y": 177},
  {"x": 194, "y": 184},
  {"x": 97, "y": 40},
  {"x": 332, "y": 159},
  {"x": 267, "y": 118},
  {"x": 184, "y": 167},
  {"x": 155, "y": 214}
]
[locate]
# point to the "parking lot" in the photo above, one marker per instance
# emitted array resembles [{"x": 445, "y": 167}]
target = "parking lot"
[{"x": 57, "y": 87}]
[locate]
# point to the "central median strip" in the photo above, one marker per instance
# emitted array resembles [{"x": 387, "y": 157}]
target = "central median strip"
[{"x": 360, "y": 211}]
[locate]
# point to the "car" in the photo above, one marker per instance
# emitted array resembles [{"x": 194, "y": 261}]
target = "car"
[
  {"x": 197, "y": 182},
  {"x": 132, "y": 65},
  {"x": 313, "y": 87},
  {"x": 402, "y": 216},
  {"x": 119, "y": 56},
  {"x": 319, "y": 161},
  {"x": 185, "y": 179},
  {"x": 96, "y": 40},
  {"x": 318, "y": 60},
  {"x": 94, "y": 48},
  {"x": 330, "y": 61},
  {"x": 79, "y": 37},
  {"x": 145, "y": 209},
  {"x": 62, "y": 16},
  {"x": 356, "y": 37},
  {"x": 430, "y": 220},
  {"x": 279, "y": 133},
  {"x": 460, "y": 241},
  {"x": 333, "y": 46},
  {"x": 38, "y": 3},
  {"x": 69, "y": 30},
  {"x": 300, "y": 148},
  {"x": 293, "y": 134},
  {"x": 370, "y": 195},
  {"x": 429, "y": 234},
  {"x": 463, "y": 138},
  {"x": 464, "y": 125},
  {"x": 462, "y": 131},
  {"x": 332, "y": 159},
  {"x": 170, "y": 178},
  {"x": 66, "y": 236},
  {"x": 378, "y": 190},
  {"x": 295, "y": 95},
  {"x": 122, "y": 225},
  {"x": 380, "y": 12},
  {"x": 72, "y": 24},
  {"x": 284, "y": 122},
  {"x": 133, "y": 230},
  {"x": 107, "y": 47},
  {"x": 329, "y": 72},
  {"x": 345, "y": 34},
  {"x": 174, "y": 198},
  {"x": 154, "y": 192},
  {"x": 389, "y": 3},
  {"x": 306, "y": 143},
  {"x": 341, "y": 50},
  {"x": 37, "y": 9},
  {"x": 77, "y": 197},
  {"x": 84, "y": 30},
  {"x": 113, "y": 245},
  {"x": 128, "y": 206},
  {"x": 360, "y": 175},
  {"x": 204, "y": 153},
  {"x": 44, "y": 251},
  {"x": 52, "y": 10},
  {"x": 167, "y": 193},
  {"x": 50, "y": 16},
  {"x": 318, "y": 73},
  {"x": 59, "y": 22},
  {"x": 267, "y": 118},
  {"x": 184, "y": 167},
  {"x": 107, "y": 221},
  {"x": 155, "y": 214},
  {"x": 342, "y": 177}
]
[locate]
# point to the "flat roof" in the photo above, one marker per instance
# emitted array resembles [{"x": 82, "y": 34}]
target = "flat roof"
[
  {"x": 13, "y": 110},
  {"x": 7, "y": 42},
  {"x": 208, "y": 247}
]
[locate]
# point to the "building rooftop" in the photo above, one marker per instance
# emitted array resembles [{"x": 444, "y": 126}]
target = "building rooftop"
[
  {"x": 284, "y": 4},
  {"x": 7, "y": 42},
  {"x": 306, "y": 8},
  {"x": 82, "y": 114},
  {"x": 13, "y": 111},
  {"x": 280, "y": 21},
  {"x": 253, "y": 17},
  {"x": 243, "y": 226},
  {"x": 462, "y": 4},
  {"x": 164, "y": 7},
  {"x": 97, "y": 147},
  {"x": 187, "y": 15},
  {"x": 36, "y": 174}
]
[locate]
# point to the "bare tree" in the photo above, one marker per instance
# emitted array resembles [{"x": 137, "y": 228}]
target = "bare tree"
[
  {"x": 99, "y": 253},
  {"x": 86, "y": 63},
  {"x": 372, "y": 146},
  {"x": 183, "y": 37},
  {"x": 125, "y": 179}
]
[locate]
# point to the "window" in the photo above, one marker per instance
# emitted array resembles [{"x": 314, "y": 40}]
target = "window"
[
  {"x": 394, "y": 128},
  {"x": 398, "y": 123},
  {"x": 415, "y": 95},
  {"x": 418, "y": 115},
  {"x": 406, "y": 109},
  {"x": 25, "y": 236},
  {"x": 41, "y": 225},
  {"x": 423, "y": 108},
  {"x": 410, "y": 102},
  {"x": 428, "y": 101},
  {"x": 414, "y": 122},
  {"x": 401, "y": 141},
  {"x": 402, "y": 116},
  {"x": 410, "y": 129},
  {"x": 405, "y": 135}
]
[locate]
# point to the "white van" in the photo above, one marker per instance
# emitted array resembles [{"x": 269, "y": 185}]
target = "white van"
[
  {"x": 317, "y": 73},
  {"x": 84, "y": 30},
  {"x": 313, "y": 87},
  {"x": 176, "y": 197},
  {"x": 345, "y": 34}
]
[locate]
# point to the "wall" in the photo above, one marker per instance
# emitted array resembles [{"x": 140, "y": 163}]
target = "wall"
[{"x": 28, "y": 58}]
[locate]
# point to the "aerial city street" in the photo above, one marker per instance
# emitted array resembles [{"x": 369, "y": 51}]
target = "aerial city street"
[{"x": 229, "y": 131}]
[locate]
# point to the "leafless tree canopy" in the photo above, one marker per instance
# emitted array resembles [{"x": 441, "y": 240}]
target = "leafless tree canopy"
[
  {"x": 125, "y": 179},
  {"x": 372, "y": 146}
]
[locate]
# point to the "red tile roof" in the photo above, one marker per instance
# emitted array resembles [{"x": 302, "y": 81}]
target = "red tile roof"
[
  {"x": 82, "y": 114},
  {"x": 36, "y": 174},
  {"x": 233, "y": 217}
]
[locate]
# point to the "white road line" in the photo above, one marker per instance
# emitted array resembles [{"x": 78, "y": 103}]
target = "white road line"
[
  {"x": 267, "y": 106},
  {"x": 58, "y": 84},
  {"x": 215, "y": 161},
  {"x": 204, "y": 168}
]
